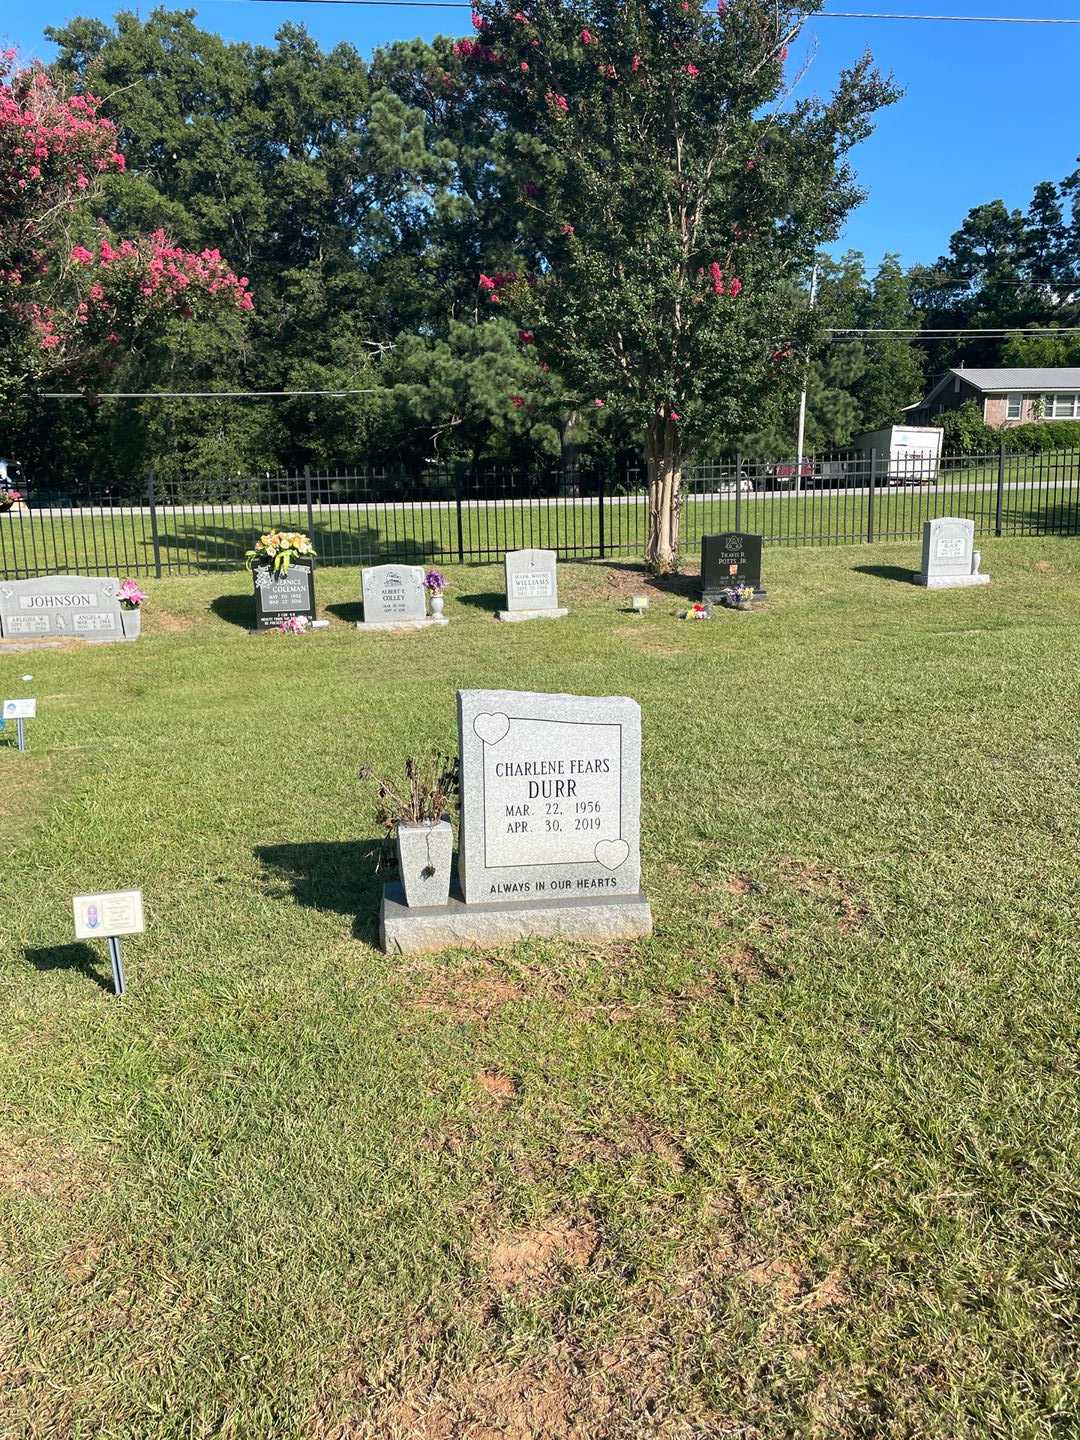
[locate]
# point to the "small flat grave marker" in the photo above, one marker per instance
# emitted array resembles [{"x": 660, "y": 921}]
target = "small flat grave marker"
[
  {"x": 108, "y": 915},
  {"x": 733, "y": 558},
  {"x": 531, "y": 587},
  {"x": 281, "y": 595},
  {"x": 395, "y": 599},
  {"x": 949, "y": 558},
  {"x": 65, "y": 607}
]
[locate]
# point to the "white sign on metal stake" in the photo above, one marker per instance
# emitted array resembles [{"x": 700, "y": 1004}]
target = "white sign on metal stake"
[
  {"x": 108, "y": 915},
  {"x": 20, "y": 709}
]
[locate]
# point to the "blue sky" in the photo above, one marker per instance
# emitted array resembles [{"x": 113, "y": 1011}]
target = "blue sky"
[{"x": 988, "y": 110}]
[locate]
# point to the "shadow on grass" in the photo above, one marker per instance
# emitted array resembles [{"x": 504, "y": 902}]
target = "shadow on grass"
[
  {"x": 236, "y": 609},
  {"x": 489, "y": 600},
  {"x": 337, "y": 875},
  {"x": 81, "y": 957},
  {"x": 351, "y": 611},
  {"x": 888, "y": 572},
  {"x": 686, "y": 587}
]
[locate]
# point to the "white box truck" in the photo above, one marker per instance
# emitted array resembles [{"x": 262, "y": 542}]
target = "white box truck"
[{"x": 912, "y": 452}]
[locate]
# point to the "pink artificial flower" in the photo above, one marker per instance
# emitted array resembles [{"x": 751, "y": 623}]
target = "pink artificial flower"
[
  {"x": 588, "y": 38},
  {"x": 691, "y": 70}
]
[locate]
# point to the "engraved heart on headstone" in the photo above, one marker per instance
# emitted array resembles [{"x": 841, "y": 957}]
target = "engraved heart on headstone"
[
  {"x": 611, "y": 853},
  {"x": 491, "y": 728}
]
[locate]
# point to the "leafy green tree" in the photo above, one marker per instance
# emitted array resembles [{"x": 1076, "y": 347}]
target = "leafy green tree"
[{"x": 669, "y": 196}]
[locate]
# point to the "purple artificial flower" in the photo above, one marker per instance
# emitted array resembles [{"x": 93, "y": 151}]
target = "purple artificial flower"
[{"x": 434, "y": 582}]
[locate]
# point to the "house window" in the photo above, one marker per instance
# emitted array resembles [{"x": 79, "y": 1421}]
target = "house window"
[
  {"x": 1061, "y": 407},
  {"x": 1015, "y": 407}
]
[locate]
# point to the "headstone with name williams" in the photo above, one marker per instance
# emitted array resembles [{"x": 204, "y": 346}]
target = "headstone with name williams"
[
  {"x": 949, "y": 558},
  {"x": 733, "y": 558},
  {"x": 395, "y": 599},
  {"x": 284, "y": 594},
  {"x": 550, "y": 825},
  {"x": 66, "y": 607},
  {"x": 531, "y": 589}
]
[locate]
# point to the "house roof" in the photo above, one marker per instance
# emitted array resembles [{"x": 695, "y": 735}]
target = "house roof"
[{"x": 1031, "y": 378}]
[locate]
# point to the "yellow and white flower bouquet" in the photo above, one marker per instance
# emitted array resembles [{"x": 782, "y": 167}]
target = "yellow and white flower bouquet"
[{"x": 279, "y": 548}]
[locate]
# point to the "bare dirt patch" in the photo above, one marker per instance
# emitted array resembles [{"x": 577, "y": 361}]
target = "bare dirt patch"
[
  {"x": 469, "y": 997},
  {"x": 162, "y": 623},
  {"x": 501, "y": 1087},
  {"x": 821, "y": 882},
  {"x": 650, "y": 644},
  {"x": 37, "y": 1169},
  {"x": 535, "y": 1258}
]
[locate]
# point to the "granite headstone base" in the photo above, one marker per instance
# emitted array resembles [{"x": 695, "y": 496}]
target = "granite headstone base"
[
  {"x": 556, "y": 614},
  {"x": 412, "y": 931},
  {"x": 421, "y": 624},
  {"x": 950, "y": 582}
]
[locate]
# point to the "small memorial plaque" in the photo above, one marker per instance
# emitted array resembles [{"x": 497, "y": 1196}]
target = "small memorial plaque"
[
  {"x": 108, "y": 914},
  {"x": 20, "y": 709},
  {"x": 733, "y": 558},
  {"x": 394, "y": 594},
  {"x": 63, "y": 606},
  {"x": 284, "y": 595},
  {"x": 949, "y": 558},
  {"x": 550, "y": 795}
]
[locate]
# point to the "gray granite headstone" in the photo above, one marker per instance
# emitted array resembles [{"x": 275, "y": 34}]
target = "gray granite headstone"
[
  {"x": 394, "y": 595},
  {"x": 550, "y": 795},
  {"x": 531, "y": 588},
  {"x": 69, "y": 607},
  {"x": 949, "y": 557}
]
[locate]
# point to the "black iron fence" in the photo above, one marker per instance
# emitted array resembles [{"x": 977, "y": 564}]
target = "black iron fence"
[{"x": 462, "y": 513}]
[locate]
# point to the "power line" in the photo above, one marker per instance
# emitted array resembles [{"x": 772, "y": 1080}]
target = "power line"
[
  {"x": 821, "y": 14},
  {"x": 199, "y": 394},
  {"x": 999, "y": 332}
]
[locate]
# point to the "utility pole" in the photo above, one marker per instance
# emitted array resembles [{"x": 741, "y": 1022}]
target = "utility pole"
[{"x": 802, "y": 397}]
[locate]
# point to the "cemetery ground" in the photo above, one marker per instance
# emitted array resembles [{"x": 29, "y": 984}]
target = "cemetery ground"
[{"x": 802, "y": 1163}]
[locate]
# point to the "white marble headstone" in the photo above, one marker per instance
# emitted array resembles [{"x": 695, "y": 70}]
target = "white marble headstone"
[{"x": 393, "y": 593}]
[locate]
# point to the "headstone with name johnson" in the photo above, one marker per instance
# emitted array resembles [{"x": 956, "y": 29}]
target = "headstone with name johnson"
[
  {"x": 66, "y": 607},
  {"x": 531, "y": 589},
  {"x": 733, "y": 558},
  {"x": 395, "y": 599},
  {"x": 550, "y": 830},
  {"x": 949, "y": 558},
  {"x": 284, "y": 594}
]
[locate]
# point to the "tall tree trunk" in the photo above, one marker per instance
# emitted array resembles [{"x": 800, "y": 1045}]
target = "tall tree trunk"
[{"x": 664, "y": 456}]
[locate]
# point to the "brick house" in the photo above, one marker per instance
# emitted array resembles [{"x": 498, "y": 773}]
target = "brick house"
[{"x": 1005, "y": 397}]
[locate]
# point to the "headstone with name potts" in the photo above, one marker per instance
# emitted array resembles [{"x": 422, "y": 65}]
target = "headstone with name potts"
[
  {"x": 733, "y": 558},
  {"x": 284, "y": 594},
  {"x": 550, "y": 826},
  {"x": 65, "y": 607},
  {"x": 949, "y": 558},
  {"x": 395, "y": 599},
  {"x": 531, "y": 589}
]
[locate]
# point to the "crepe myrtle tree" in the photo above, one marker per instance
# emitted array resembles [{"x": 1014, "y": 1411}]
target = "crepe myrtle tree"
[{"x": 670, "y": 190}]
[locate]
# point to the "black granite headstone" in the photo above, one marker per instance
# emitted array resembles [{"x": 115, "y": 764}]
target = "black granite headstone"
[
  {"x": 280, "y": 596},
  {"x": 733, "y": 558}
]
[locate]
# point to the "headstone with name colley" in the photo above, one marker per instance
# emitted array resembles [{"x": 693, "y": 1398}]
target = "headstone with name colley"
[
  {"x": 949, "y": 558},
  {"x": 284, "y": 594},
  {"x": 68, "y": 607},
  {"x": 531, "y": 589},
  {"x": 550, "y": 829},
  {"x": 395, "y": 599},
  {"x": 733, "y": 558}
]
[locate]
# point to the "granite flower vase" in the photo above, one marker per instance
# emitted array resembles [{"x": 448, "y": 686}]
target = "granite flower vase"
[
  {"x": 437, "y": 603},
  {"x": 131, "y": 623},
  {"x": 425, "y": 854}
]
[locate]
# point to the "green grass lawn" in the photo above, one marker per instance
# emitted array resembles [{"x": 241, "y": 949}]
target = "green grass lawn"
[{"x": 803, "y": 1163}]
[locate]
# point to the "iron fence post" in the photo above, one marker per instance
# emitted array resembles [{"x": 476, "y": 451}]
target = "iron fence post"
[
  {"x": 307, "y": 500},
  {"x": 738, "y": 491},
  {"x": 600, "y": 508},
  {"x": 154, "y": 536},
  {"x": 870, "y": 500},
  {"x": 460, "y": 527},
  {"x": 1000, "y": 488}
]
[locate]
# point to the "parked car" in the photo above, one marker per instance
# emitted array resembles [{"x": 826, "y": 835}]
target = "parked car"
[{"x": 781, "y": 476}]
